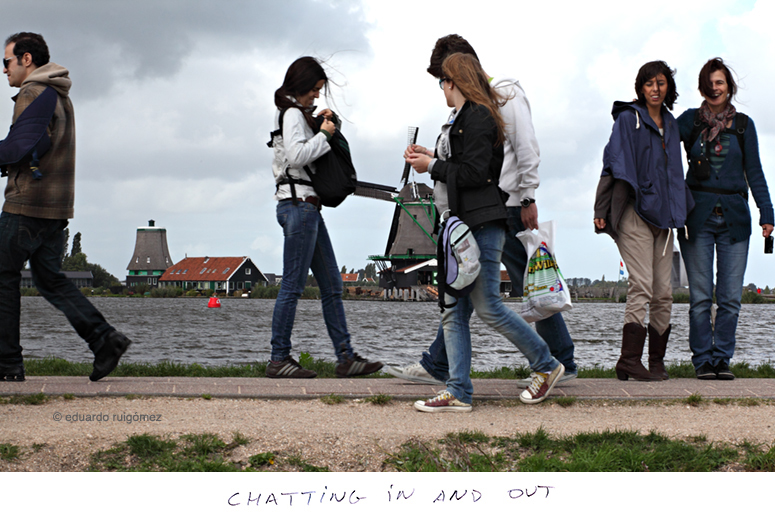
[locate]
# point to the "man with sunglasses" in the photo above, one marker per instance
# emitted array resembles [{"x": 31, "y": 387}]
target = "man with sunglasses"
[{"x": 38, "y": 157}]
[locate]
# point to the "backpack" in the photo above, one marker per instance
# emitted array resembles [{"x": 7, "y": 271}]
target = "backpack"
[
  {"x": 334, "y": 177},
  {"x": 457, "y": 258}
]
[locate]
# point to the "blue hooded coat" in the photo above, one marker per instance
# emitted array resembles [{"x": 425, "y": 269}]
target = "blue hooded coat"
[{"x": 649, "y": 165}]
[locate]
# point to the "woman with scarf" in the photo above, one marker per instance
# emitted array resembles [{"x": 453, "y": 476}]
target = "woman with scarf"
[
  {"x": 723, "y": 152},
  {"x": 298, "y": 140},
  {"x": 641, "y": 198}
]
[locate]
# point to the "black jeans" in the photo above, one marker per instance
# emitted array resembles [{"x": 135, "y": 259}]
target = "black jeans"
[{"x": 39, "y": 241}]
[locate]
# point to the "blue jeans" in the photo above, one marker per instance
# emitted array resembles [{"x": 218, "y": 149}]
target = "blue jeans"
[
  {"x": 306, "y": 246},
  {"x": 486, "y": 300},
  {"x": 41, "y": 242},
  {"x": 713, "y": 343},
  {"x": 552, "y": 329}
]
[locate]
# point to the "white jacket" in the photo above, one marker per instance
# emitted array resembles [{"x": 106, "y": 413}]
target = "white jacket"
[
  {"x": 299, "y": 146},
  {"x": 521, "y": 156}
]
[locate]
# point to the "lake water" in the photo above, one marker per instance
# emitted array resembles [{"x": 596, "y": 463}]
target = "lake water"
[{"x": 186, "y": 331}]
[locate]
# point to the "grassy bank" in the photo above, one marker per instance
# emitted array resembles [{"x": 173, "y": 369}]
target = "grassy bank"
[
  {"x": 325, "y": 369},
  {"x": 466, "y": 451}
]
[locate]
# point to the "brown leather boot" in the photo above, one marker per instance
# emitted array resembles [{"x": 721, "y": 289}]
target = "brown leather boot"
[
  {"x": 629, "y": 364},
  {"x": 657, "y": 347}
]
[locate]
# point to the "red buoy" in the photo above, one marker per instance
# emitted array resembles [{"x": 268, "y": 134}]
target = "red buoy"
[{"x": 214, "y": 302}]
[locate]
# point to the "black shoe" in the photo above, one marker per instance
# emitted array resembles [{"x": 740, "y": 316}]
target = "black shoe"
[
  {"x": 15, "y": 374},
  {"x": 107, "y": 351},
  {"x": 356, "y": 366},
  {"x": 706, "y": 372},
  {"x": 288, "y": 368},
  {"x": 723, "y": 372}
]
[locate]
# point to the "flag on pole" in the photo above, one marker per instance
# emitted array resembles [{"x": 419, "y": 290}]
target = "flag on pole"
[{"x": 621, "y": 268}]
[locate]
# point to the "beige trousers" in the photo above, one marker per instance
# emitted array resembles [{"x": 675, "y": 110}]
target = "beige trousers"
[{"x": 648, "y": 253}]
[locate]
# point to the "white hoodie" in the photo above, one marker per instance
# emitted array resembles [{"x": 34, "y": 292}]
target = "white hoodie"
[{"x": 521, "y": 156}]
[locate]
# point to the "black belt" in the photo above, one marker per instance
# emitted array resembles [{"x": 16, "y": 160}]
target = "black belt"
[
  {"x": 719, "y": 191},
  {"x": 310, "y": 200}
]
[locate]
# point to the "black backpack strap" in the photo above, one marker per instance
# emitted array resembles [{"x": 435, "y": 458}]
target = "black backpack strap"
[
  {"x": 277, "y": 132},
  {"x": 697, "y": 128},
  {"x": 741, "y": 123}
]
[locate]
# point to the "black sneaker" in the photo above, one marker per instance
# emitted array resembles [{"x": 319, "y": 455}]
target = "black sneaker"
[
  {"x": 356, "y": 366},
  {"x": 288, "y": 368},
  {"x": 107, "y": 351},
  {"x": 706, "y": 372},
  {"x": 723, "y": 372},
  {"x": 15, "y": 374}
]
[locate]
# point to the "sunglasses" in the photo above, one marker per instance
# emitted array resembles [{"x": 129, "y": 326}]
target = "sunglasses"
[
  {"x": 7, "y": 61},
  {"x": 441, "y": 82}
]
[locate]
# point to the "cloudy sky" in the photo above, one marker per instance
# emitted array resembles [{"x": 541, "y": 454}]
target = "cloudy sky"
[{"x": 174, "y": 104}]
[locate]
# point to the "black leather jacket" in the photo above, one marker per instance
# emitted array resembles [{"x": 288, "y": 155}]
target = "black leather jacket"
[{"x": 474, "y": 168}]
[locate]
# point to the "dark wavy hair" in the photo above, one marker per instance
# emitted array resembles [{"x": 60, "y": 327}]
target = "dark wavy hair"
[
  {"x": 445, "y": 46},
  {"x": 711, "y": 66},
  {"x": 651, "y": 70},
  {"x": 301, "y": 77},
  {"x": 29, "y": 42}
]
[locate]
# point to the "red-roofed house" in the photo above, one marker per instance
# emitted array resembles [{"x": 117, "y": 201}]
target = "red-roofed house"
[
  {"x": 219, "y": 274},
  {"x": 350, "y": 278}
]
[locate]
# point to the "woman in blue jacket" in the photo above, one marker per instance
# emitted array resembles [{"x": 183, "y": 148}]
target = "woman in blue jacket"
[
  {"x": 468, "y": 161},
  {"x": 641, "y": 197},
  {"x": 723, "y": 153}
]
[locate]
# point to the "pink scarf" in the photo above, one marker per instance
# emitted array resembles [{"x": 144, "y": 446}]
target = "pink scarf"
[{"x": 717, "y": 123}]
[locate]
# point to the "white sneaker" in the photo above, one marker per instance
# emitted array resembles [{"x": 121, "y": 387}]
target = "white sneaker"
[
  {"x": 444, "y": 402},
  {"x": 413, "y": 373},
  {"x": 525, "y": 382},
  {"x": 542, "y": 385}
]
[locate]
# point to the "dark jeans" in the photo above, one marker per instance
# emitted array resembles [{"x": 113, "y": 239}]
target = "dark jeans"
[
  {"x": 40, "y": 242},
  {"x": 307, "y": 245},
  {"x": 552, "y": 330}
]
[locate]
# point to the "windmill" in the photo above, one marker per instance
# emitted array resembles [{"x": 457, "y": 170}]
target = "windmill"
[{"x": 410, "y": 254}]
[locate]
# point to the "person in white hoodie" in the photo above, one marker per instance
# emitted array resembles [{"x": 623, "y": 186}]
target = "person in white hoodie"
[
  {"x": 38, "y": 156},
  {"x": 519, "y": 179}
]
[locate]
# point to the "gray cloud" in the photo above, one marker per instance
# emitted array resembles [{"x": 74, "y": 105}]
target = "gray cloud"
[{"x": 112, "y": 41}]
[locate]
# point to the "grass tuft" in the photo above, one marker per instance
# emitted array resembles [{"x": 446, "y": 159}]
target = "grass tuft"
[
  {"x": 694, "y": 400},
  {"x": 332, "y": 399},
  {"x": 379, "y": 399},
  {"x": 8, "y": 452},
  {"x": 564, "y": 401},
  {"x": 262, "y": 460}
]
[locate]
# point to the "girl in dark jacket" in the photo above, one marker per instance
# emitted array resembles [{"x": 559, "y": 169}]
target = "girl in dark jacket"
[
  {"x": 721, "y": 221},
  {"x": 469, "y": 165},
  {"x": 641, "y": 197}
]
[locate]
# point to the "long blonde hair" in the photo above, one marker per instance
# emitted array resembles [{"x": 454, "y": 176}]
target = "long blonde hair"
[{"x": 467, "y": 74}]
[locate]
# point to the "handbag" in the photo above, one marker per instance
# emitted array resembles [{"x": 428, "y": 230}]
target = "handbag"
[{"x": 544, "y": 289}]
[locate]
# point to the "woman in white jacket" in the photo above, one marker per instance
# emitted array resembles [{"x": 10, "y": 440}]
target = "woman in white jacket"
[{"x": 299, "y": 140}]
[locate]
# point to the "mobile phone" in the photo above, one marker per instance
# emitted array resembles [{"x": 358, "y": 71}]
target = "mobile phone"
[{"x": 768, "y": 244}]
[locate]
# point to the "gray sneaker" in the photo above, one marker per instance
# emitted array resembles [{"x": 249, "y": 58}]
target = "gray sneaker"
[
  {"x": 413, "y": 373},
  {"x": 525, "y": 382}
]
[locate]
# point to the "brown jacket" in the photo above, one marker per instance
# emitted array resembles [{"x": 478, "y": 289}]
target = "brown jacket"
[
  {"x": 52, "y": 196},
  {"x": 611, "y": 200}
]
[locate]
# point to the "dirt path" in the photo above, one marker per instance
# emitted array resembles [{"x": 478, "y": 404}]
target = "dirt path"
[{"x": 351, "y": 436}]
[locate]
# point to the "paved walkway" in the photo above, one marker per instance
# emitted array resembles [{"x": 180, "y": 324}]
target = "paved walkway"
[{"x": 265, "y": 388}]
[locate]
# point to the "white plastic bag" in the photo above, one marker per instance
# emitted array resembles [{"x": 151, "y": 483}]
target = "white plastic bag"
[{"x": 544, "y": 289}]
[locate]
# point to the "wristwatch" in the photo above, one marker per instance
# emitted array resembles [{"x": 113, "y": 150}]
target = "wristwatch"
[{"x": 527, "y": 201}]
